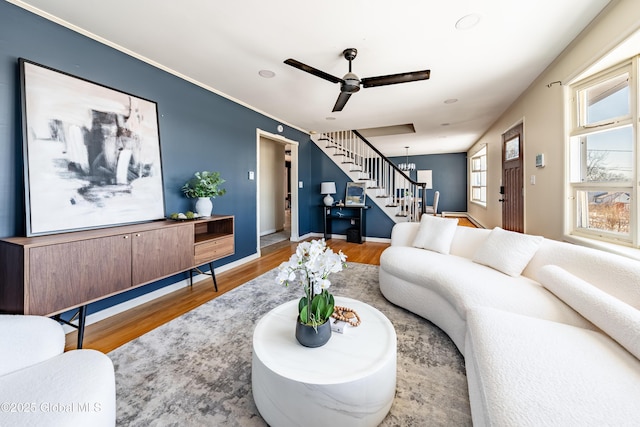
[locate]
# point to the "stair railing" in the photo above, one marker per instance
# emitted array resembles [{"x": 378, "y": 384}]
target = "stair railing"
[{"x": 383, "y": 177}]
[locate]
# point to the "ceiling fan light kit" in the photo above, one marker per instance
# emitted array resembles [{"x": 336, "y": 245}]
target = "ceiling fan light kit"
[{"x": 351, "y": 83}]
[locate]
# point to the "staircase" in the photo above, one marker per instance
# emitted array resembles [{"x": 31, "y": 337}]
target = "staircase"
[{"x": 401, "y": 198}]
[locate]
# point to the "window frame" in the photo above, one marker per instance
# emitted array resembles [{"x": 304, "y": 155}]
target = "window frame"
[
  {"x": 578, "y": 129},
  {"x": 482, "y": 152}
]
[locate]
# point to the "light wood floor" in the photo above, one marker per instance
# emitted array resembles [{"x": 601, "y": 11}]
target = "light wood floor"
[{"x": 117, "y": 330}]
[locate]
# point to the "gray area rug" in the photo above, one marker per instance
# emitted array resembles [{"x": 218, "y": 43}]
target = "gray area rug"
[{"x": 196, "y": 369}]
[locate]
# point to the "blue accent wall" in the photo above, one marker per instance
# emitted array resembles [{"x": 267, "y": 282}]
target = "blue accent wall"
[
  {"x": 449, "y": 174},
  {"x": 199, "y": 130}
]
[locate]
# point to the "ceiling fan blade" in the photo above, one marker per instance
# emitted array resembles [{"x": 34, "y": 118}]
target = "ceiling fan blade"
[
  {"x": 309, "y": 69},
  {"x": 396, "y": 78},
  {"x": 341, "y": 101}
]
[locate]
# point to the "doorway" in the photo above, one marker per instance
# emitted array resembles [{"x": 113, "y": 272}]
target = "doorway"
[
  {"x": 277, "y": 196},
  {"x": 512, "y": 188}
]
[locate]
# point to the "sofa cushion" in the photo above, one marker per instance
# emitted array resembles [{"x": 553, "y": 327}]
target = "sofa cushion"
[
  {"x": 466, "y": 284},
  {"x": 467, "y": 240},
  {"x": 507, "y": 251},
  {"x": 618, "y": 319},
  {"x": 435, "y": 233},
  {"x": 524, "y": 371}
]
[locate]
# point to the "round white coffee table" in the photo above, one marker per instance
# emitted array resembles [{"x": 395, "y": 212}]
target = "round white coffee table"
[{"x": 350, "y": 381}]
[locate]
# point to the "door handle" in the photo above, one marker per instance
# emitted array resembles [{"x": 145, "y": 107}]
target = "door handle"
[{"x": 502, "y": 200}]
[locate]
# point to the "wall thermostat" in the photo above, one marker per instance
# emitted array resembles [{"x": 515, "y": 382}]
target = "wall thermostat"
[{"x": 539, "y": 160}]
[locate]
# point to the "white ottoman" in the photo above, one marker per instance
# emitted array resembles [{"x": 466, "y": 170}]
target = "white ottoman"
[{"x": 350, "y": 381}]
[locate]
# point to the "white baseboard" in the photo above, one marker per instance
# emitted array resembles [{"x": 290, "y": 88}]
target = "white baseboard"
[
  {"x": 455, "y": 214},
  {"x": 142, "y": 299},
  {"x": 309, "y": 236},
  {"x": 266, "y": 232},
  {"x": 377, "y": 239}
]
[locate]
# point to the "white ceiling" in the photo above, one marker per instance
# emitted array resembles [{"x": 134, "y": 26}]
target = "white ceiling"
[{"x": 223, "y": 45}]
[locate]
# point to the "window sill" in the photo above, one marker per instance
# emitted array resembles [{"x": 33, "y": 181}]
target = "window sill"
[{"x": 625, "y": 251}]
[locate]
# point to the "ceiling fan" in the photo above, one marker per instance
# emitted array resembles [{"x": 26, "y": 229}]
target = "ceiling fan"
[{"x": 350, "y": 83}]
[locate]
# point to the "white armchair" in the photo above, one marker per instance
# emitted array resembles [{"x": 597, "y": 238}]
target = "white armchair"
[{"x": 41, "y": 385}]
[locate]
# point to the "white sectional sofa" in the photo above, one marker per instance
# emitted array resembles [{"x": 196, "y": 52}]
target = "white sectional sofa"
[{"x": 550, "y": 331}]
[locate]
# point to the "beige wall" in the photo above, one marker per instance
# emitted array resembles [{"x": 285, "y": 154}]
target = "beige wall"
[
  {"x": 272, "y": 186},
  {"x": 542, "y": 111}
]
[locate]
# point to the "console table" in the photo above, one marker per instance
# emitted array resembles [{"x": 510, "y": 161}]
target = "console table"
[
  {"x": 354, "y": 214},
  {"x": 48, "y": 275}
]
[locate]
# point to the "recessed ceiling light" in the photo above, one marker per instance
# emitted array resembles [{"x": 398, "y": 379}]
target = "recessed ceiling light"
[
  {"x": 267, "y": 74},
  {"x": 467, "y": 22},
  {"x": 451, "y": 100}
]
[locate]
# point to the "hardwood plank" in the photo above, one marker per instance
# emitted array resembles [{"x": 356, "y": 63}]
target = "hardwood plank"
[{"x": 465, "y": 222}]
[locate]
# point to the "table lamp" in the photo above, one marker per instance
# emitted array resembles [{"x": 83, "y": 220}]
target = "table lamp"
[{"x": 328, "y": 188}]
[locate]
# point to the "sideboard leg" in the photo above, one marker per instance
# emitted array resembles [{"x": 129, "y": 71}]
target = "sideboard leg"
[
  {"x": 213, "y": 275},
  {"x": 82, "y": 317}
]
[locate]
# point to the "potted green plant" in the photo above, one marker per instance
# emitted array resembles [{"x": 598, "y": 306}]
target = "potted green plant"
[
  {"x": 310, "y": 266},
  {"x": 204, "y": 186}
]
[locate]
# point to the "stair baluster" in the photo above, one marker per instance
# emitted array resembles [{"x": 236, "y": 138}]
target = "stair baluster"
[{"x": 387, "y": 185}]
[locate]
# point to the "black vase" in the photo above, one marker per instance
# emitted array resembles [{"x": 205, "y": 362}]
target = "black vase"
[{"x": 308, "y": 337}]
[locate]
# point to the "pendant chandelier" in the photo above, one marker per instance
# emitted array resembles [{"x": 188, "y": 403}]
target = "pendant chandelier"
[{"x": 407, "y": 166}]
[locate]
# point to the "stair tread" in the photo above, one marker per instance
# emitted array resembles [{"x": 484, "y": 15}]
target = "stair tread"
[{"x": 367, "y": 169}]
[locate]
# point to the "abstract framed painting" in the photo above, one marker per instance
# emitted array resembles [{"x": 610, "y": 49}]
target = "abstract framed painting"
[
  {"x": 91, "y": 154},
  {"x": 356, "y": 193}
]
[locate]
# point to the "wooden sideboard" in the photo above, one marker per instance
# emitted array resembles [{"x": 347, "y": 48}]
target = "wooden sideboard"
[{"x": 48, "y": 275}]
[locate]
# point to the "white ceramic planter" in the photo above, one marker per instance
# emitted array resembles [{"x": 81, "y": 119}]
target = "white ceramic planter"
[{"x": 204, "y": 206}]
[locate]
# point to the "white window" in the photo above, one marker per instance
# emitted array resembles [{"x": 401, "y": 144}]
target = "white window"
[
  {"x": 603, "y": 154},
  {"x": 478, "y": 177}
]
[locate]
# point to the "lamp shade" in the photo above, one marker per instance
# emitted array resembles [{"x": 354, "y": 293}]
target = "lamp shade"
[{"x": 328, "y": 188}]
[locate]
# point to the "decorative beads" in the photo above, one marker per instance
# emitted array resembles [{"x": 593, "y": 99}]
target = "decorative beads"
[{"x": 346, "y": 314}]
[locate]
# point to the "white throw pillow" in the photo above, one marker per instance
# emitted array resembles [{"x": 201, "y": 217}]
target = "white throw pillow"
[
  {"x": 435, "y": 233},
  {"x": 507, "y": 251},
  {"x": 618, "y": 319}
]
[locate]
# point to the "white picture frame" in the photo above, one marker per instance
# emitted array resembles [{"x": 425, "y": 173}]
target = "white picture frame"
[{"x": 91, "y": 154}]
